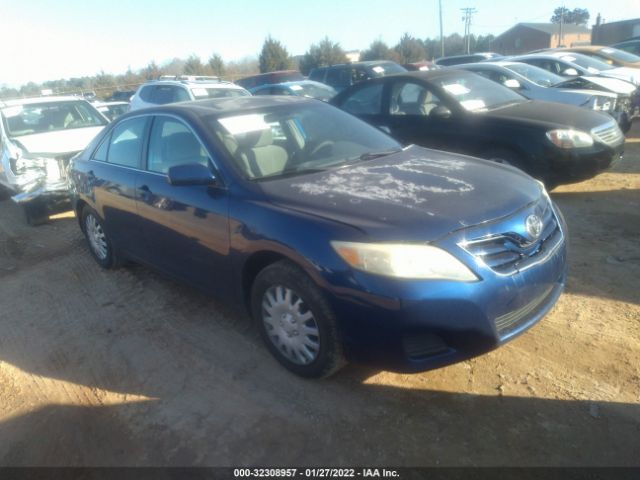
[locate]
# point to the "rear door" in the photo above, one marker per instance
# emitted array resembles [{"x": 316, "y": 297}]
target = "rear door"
[
  {"x": 365, "y": 102},
  {"x": 185, "y": 227},
  {"x": 110, "y": 177}
]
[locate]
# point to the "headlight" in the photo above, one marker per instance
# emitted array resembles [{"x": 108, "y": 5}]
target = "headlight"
[
  {"x": 404, "y": 261},
  {"x": 602, "y": 104},
  {"x": 570, "y": 138}
]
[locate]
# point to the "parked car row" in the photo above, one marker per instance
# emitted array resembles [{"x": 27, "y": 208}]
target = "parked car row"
[{"x": 342, "y": 235}]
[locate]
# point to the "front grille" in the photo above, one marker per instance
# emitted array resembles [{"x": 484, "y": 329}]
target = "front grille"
[
  {"x": 508, "y": 322},
  {"x": 510, "y": 252},
  {"x": 609, "y": 134}
]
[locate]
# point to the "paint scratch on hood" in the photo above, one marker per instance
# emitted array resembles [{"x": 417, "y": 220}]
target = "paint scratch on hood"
[{"x": 401, "y": 183}]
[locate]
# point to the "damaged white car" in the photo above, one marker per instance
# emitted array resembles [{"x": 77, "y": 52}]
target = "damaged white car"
[{"x": 38, "y": 136}]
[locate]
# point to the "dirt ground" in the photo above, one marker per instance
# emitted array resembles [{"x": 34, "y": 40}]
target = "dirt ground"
[{"x": 130, "y": 368}]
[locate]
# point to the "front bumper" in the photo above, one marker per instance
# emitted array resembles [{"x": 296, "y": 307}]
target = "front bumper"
[
  {"x": 412, "y": 325},
  {"x": 39, "y": 183},
  {"x": 572, "y": 166}
]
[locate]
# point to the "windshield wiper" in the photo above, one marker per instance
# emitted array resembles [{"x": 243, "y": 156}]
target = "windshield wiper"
[{"x": 378, "y": 154}]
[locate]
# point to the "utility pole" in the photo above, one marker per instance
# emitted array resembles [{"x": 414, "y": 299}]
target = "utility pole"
[
  {"x": 468, "y": 14},
  {"x": 441, "y": 34},
  {"x": 560, "y": 37}
]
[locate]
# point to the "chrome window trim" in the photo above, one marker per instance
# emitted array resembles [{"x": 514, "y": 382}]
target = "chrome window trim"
[{"x": 145, "y": 170}]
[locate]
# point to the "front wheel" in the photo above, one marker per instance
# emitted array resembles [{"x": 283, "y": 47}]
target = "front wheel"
[
  {"x": 296, "y": 323},
  {"x": 99, "y": 244}
]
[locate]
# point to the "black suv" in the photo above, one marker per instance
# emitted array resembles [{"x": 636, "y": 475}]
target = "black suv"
[{"x": 344, "y": 75}]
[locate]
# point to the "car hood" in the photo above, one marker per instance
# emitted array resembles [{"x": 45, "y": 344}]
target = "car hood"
[
  {"x": 417, "y": 194},
  {"x": 549, "y": 115},
  {"x": 62, "y": 141},
  {"x": 614, "y": 84}
]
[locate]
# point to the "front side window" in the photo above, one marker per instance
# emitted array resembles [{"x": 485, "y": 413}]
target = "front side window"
[
  {"x": 172, "y": 143},
  {"x": 409, "y": 98},
  {"x": 126, "y": 143},
  {"x": 365, "y": 101}
]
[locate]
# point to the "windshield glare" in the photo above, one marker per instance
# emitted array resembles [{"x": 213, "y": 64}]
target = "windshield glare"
[
  {"x": 47, "y": 117},
  {"x": 388, "y": 68},
  {"x": 294, "y": 139},
  {"x": 590, "y": 63},
  {"x": 539, "y": 76},
  {"x": 321, "y": 92},
  {"x": 476, "y": 93},
  {"x": 620, "y": 55},
  {"x": 200, "y": 93}
]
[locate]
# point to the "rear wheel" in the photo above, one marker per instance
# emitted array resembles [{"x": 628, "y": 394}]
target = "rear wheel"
[
  {"x": 296, "y": 323},
  {"x": 99, "y": 244}
]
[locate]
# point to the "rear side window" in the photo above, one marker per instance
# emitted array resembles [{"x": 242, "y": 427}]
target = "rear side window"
[
  {"x": 317, "y": 74},
  {"x": 340, "y": 77},
  {"x": 173, "y": 143},
  {"x": 365, "y": 101},
  {"x": 164, "y": 94},
  {"x": 145, "y": 93},
  {"x": 126, "y": 143}
]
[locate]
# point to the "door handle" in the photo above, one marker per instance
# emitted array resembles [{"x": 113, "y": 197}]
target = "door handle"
[{"x": 145, "y": 193}]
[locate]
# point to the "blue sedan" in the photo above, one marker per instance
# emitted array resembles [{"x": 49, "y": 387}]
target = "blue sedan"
[{"x": 340, "y": 243}]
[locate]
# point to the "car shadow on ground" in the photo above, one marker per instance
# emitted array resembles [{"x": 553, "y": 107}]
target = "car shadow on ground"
[{"x": 178, "y": 380}]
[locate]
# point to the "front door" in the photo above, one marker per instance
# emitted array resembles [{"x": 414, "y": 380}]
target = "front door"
[
  {"x": 186, "y": 227},
  {"x": 411, "y": 119}
]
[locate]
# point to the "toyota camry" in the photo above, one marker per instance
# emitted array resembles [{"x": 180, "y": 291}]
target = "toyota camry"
[{"x": 340, "y": 243}]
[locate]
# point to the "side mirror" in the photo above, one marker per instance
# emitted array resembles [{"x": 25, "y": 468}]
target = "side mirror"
[
  {"x": 512, "y": 83},
  {"x": 440, "y": 112},
  {"x": 570, "y": 72},
  {"x": 190, "y": 174}
]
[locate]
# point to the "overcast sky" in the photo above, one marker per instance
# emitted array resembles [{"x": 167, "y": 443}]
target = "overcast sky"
[{"x": 46, "y": 40}]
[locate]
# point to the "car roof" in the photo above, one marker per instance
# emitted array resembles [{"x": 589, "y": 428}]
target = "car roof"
[
  {"x": 292, "y": 83},
  {"x": 225, "y": 105},
  {"x": 48, "y": 99},
  {"x": 497, "y": 63},
  {"x": 192, "y": 83}
]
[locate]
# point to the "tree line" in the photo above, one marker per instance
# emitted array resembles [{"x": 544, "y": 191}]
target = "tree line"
[{"x": 273, "y": 56}]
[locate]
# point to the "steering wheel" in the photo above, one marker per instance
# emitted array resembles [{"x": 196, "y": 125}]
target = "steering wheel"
[{"x": 316, "y": 149}]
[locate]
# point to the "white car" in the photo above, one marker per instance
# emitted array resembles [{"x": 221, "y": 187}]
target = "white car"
[
  {"x": 183, "y": 89},
  {"x": 38, "y": 136},
  {"x": 538, "y": 84},
  {"x": 570, "y": 64}
]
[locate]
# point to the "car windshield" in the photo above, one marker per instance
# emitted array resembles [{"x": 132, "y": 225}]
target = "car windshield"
[
  {"x": 476, "y": 93},
  {"x": 620, "y": 55},
  {"x": 200, "y": 93},
  {"x": 321, "y": 92},
  {"x": 293, "y": 139},
  {"x": 47, "y": 117},
  {"x": 387, "y": 68},
  {"x": 592, "y": 64},
  {"x": 537, "y": 75}
]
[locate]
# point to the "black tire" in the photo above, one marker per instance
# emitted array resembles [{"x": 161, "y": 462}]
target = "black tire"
[
  {"x": 509, "y": 157},
  {"x": 109, "y": 259},
  {"x": 329, "y": 356}
]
